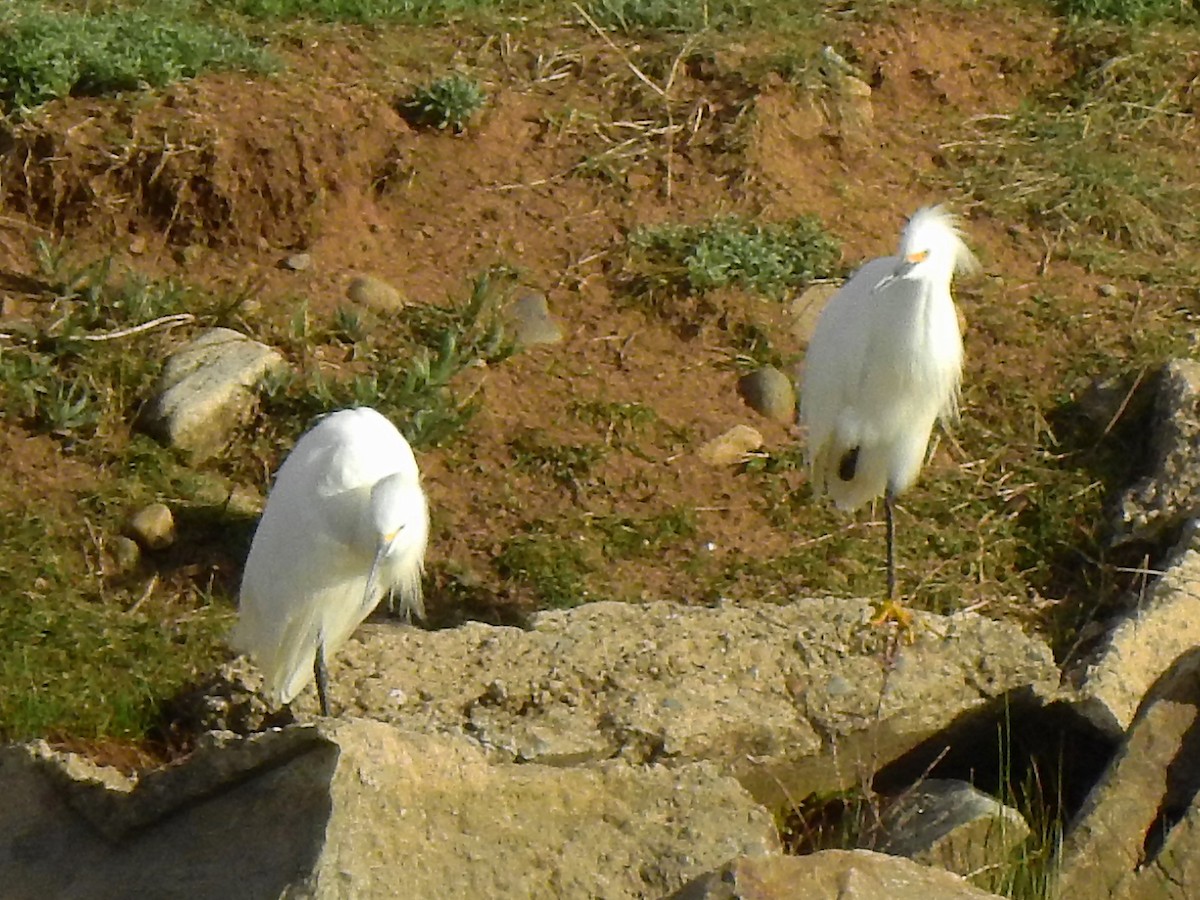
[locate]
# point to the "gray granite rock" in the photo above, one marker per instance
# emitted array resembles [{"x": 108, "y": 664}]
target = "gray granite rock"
[{"x": 206, "y": 388}]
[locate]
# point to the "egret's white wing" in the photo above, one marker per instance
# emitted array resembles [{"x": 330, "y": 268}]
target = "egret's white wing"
[{"x": 834, "y": 370}]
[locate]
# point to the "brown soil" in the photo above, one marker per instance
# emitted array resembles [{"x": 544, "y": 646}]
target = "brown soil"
[{"x": 243, "y": 172}]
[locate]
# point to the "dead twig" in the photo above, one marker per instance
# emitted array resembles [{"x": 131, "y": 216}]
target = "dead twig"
[{"x": 161, "y": 322}]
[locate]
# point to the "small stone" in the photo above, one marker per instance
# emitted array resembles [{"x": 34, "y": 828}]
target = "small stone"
[
  {"x": 732, "y": 446},
  {"x": 126, "y": 554},
  {"x": 154, "y": 526},
  {"x": 531, "y": 322},
  {"x": 137, "y": 245},
  {"x": 770, "y": 392},
  {"x": 1107, "y": 290},
  {"x": 374, "y": 293},
  {"x": 298, "y": 262}
]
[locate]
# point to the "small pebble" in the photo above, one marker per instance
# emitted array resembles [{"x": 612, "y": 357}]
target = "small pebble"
[
  {"x": 531, "y": 322},
  {"x": 1107, "y": 290},
  {"x": 374, "y": 293},
  {"x": 126, "y": 554},
  {"x": 732, "y": 446},
  {"x": 154, "y": 527},
  {"x": 298, "y": 262}
]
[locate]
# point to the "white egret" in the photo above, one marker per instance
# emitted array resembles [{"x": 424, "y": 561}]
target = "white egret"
[
  {"x": 345, "y": 523},
  {"x": 884, "y": 363}
]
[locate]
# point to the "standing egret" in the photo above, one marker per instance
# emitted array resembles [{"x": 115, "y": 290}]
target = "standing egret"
[
  {"x": 884, "y": 363},
  {"x": 345, "y": 524}
]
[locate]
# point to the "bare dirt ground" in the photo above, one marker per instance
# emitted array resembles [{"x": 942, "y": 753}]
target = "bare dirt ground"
[{"x": 215, "y": 181}]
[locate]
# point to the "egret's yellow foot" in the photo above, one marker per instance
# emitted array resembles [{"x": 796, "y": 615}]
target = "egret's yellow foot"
[{"x": 892, "y": 610}]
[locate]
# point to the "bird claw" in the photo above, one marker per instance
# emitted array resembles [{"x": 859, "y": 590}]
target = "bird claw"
[{"x": 892, "y": 611}]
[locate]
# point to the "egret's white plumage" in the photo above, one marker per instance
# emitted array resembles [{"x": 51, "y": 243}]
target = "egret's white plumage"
[
  {"x": 345, "y": 524},
  {"x": 884, "y": 362}
]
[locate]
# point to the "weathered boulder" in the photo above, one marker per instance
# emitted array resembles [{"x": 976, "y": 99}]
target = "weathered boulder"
[
  {"x": 359, "y": 809},
  {"x": 830, "y": 875},
  {"x": 950, "y": 824},
  {"x": 1170, "y": 494},
  {"x": 789, "y": 699},
  {"x": 1137, "y": 836},
  {"x": 1164, "y": 623},
  {"x": 204, "y": 390}
]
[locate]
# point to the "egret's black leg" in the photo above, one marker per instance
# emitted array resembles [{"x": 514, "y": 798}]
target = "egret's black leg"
[
  {"x": 322, "y": 678},
  {"x": 889, "y": 500}
]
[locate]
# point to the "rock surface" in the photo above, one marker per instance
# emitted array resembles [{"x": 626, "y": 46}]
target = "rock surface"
[
  {"x": 769, "y": 392},
  {"x": 789, "y": 699},
  {"x": 205, "y": 390},
  {"x": 1138, "y": 834},
  {"x": 1170, "y": 494},
  {"x": 829, "y": 875},
  {"x": 1145, "y": 642},
  {"x": 952, "y": 825},
  {"x": 360, "y": 809}
]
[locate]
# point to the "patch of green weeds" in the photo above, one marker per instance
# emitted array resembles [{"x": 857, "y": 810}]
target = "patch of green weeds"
[
  {"x": 449, "y": 102},
  {"x": 367, "y": 12},
  {"x": 81, "y": 369},
  {"x": 50, "y": 54},
  {"x": 1098, "y": 159},
  {"x": 628, "y": 537},
  {"x": 622, "y": 423},
  {"x": 566, "y": 464},
  {"x": 71, "y": 663},
  {"x": 554, "y": 568},
  {"x": 411, "y": 369},
  {"x": 1128, "y": 12},
  {"x": 767, "y": 258}
]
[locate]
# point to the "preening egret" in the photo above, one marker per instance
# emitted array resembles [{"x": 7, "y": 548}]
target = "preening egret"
[
  {"x": 345, "y": 523},
  {"x": 884, "y": 363}
]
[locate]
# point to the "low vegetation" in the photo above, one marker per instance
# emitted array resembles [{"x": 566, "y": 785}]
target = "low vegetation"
[{"x": 573, "y": 485}]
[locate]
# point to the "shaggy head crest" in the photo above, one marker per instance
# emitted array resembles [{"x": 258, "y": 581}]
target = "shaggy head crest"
[{"x": 934, "y": 231}]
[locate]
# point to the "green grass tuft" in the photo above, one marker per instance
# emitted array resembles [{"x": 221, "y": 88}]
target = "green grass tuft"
[
  {"x": 767, "y": 258},
  {"x": 47, "y": 55},
  {"x": 449, "y": 102}
]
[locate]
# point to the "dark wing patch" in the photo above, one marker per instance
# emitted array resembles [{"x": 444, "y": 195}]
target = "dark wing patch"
[{"x": 848, "y": 465}]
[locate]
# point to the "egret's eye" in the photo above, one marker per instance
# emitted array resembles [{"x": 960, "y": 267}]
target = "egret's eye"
[{"x": 918, "y": 257}]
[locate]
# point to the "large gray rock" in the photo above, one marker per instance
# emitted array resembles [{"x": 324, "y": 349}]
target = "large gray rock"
[
  {"x": 951, "y": 824},
  {"x": 360, "y": 809},
  {"x": 1144, "y": 642},
  {"x": 1171, "y": 492},
  {"x": 1138, "y": 834},
  {"x": 789, "y": 699},
  {"x": 205, "y": 390},
  {"x": 830, "y": 875}
]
